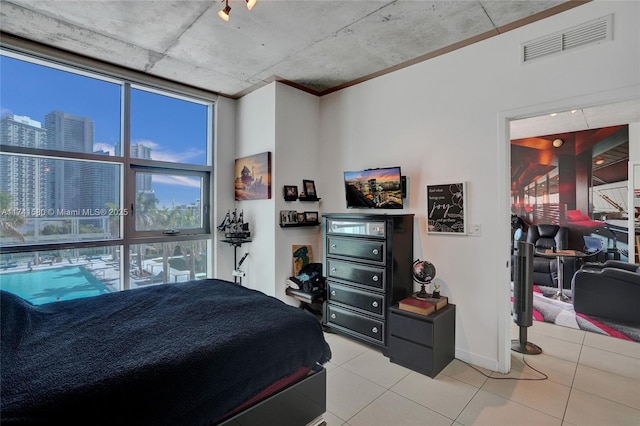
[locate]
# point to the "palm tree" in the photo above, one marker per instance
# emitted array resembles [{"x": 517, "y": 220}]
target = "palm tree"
[{"x": 10, "y": 219}]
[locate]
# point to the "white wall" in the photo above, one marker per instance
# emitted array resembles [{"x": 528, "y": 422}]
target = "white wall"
[
  {"x": 284, "y": 121},
  {"x": 444, "y": 120},
  {"x": 297, "y": 146},
  {"x": 223, "y": 192},
  {"x": 256, "y": 134}
]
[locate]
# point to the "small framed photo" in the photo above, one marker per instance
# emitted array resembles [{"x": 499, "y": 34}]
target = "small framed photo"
[
  {"x": 311, "y": 217},
  {"x": 288, "y": 217},
  {"x": 309, "y": 187},
  {"x": 290, "y": 192},
  {"x": 301, "y": 218}
]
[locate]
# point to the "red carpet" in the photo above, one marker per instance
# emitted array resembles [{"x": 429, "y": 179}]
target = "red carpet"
[{"x": 561, "y": 313}]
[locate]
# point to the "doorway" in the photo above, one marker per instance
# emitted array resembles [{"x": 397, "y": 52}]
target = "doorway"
[{"x": 540, "y": 121}]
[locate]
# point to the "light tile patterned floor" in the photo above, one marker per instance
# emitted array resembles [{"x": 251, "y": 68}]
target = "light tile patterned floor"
[{"x": 593, "y": 380}]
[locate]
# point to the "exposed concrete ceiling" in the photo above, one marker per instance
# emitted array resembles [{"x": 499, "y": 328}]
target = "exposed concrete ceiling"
[
  {"x": 316, "y": 45},
  {"x": 319, "y": 46}
]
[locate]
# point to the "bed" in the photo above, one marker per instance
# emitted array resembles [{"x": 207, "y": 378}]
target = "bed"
[{"x": 202, "y": 352}]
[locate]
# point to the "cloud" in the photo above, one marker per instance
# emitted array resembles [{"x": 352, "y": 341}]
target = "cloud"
[
  {"x": 177, "y": 180},
  {"x": 159, "y": 153},
  {"x": 111, "y": 149}
]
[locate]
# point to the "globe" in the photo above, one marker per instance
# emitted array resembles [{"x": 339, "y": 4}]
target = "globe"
[{"x": 423, "y": 272}]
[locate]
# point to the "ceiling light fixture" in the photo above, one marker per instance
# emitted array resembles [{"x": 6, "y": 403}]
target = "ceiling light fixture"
[
  {"x": 557, "y": 143},
  {"x": 553, "y": 114},
  {"x": 599, "y": 161},
  {"x": 224, "y": 13}
]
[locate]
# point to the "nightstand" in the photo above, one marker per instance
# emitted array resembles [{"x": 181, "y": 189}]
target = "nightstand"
[{"x": 423, "y": 343}]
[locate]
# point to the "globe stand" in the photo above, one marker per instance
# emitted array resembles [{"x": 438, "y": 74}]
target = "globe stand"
[{"x": 422, "y": 294}]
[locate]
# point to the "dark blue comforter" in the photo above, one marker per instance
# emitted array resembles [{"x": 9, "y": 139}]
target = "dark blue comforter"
[{"x": 179, "y": 354}]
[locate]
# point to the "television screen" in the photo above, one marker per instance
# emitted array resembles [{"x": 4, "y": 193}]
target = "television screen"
[{"x": 374, "y": 188}]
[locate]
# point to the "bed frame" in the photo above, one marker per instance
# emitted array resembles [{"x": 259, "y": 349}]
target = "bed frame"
[{"x": 302, "y": 403}]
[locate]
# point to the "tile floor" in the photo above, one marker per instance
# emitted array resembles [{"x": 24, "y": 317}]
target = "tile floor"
[{"x": 593, "y": 380}]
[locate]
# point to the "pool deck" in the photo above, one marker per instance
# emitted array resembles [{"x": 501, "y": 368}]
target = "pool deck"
[{"x": 105, "y": 270}]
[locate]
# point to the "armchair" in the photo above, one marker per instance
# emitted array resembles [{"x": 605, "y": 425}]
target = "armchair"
[
  {"x": 608, "y": 290},
  {"x": 545, "y": 270}
]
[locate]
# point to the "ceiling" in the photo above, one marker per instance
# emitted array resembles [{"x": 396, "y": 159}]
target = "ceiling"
[
  {"x": 319, "y": 46},
  {"x": 316, "y": 45}
]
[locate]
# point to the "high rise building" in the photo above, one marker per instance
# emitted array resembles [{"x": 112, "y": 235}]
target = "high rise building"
[
  {"x": 144, "y": 183},
  {"x": 67, "y": 132},
  {"x": 26, "y": 179}
]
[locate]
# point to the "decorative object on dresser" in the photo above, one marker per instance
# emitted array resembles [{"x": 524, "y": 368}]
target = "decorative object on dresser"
[
  {"x": 422, "y": 306},
  {"x": 368, "y": 260},
  {"x": 423, "y": 272},
  {"x": 423, "y": 343}
]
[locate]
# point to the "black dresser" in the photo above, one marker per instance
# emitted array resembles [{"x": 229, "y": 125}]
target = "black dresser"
[{"x": 367, "y": 260}]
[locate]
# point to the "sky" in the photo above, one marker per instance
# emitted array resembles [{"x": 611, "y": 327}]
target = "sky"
[
  {"x": 382, "y": 174},
  {"x": 175, "y": 129}
]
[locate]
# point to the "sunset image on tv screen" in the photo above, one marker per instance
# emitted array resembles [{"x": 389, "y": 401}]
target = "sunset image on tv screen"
[{"x": 374, "y": 188}]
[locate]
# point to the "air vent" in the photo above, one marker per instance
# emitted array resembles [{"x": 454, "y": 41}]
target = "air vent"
[{"x": 593, "y": 32}]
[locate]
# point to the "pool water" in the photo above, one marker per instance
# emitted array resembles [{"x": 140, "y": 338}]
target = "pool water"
[{"x": 50, "y": 285}]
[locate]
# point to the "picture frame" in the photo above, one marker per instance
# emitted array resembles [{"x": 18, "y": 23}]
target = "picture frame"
[
  {"x": 288, "y": 217},
  {"x": 446, "y": 212},
  {"x": 302, "y": 255},
  {"x": 290, "y": 192},
  {"x": 311, "y": 217},
  {"x": 301, "y": 217},
  {"x": 252, "y": 179},
  {"x": 309, "y": 188}
]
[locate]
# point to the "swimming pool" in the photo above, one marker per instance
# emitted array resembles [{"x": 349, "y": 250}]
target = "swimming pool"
[{"x": 50, "y": 285}]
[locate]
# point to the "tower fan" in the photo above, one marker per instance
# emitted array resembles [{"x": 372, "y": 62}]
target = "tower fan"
[{"x": 523, "y": 296}]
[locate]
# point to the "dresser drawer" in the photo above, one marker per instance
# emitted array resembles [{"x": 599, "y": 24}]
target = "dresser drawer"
[
  {"x": 363, "y": 300},
  {"x": 369, "y": 276},
  {"x": 356, "y": 227},
  {"x": 407, "y": 328},
  {"x": 370, "y": 250},
  {"x": 371, "y": 328}
]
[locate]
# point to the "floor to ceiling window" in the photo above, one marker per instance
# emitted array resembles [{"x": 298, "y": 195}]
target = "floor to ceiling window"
[{"x": 104, "y": 181}]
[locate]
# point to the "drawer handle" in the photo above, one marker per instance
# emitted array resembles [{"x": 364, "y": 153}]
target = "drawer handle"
[
  {"x": 333, "y": 292},
  {"x": 333, "y": 246},
  {"x": 374, "y": 304},
  {"x": 374, "y": 329},
  {"x": 375, "y": 251},
  {"x": 333, "y": 316},
  {"x": 375, "y": 278},
  {"x": 333, "y": 269}
]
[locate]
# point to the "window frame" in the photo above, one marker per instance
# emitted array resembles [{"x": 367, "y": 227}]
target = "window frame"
[{"x": 38, "y": 54}]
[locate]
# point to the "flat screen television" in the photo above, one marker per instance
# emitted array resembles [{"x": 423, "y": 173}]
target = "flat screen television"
[{"x": 374, "y": 188}]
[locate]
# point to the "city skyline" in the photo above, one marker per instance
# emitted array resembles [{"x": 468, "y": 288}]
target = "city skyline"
[{"x": 174, "y": 129}]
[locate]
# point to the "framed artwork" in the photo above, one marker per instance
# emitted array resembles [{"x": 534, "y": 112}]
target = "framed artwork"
[
  {"x": 288, "y": 217},
  {"x": 309, "y": 188},
  {"x": 446, "y": 212},
  {"x": 311, "y": 217},
  {"x": 302, "y": 256},
  {"x": 253, "y": 177},
  {"x": 290, "y": 192}
]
